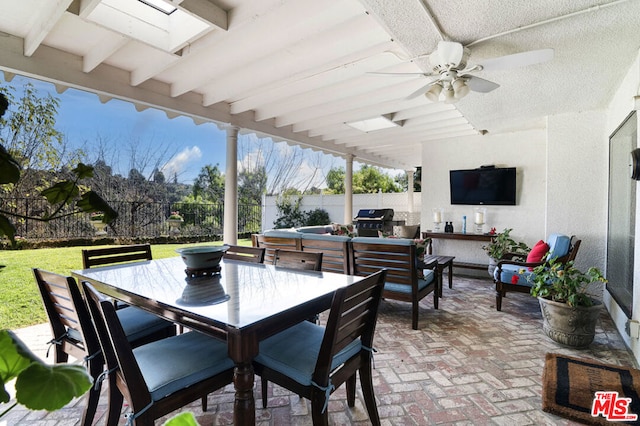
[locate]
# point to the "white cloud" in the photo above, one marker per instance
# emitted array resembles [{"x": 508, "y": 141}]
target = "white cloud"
[{"x": 177, "y": 164}]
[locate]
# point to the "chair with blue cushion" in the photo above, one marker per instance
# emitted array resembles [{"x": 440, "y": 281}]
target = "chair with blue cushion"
[
  {"x": 513, "y": 272},
  {"x": 161, "y": 376},
  {"x": 74, "y": 334},
  {"x": 313, "y": 361},
  {"x": 335, "y": 250},
  {"x": 408, "y": 279}
]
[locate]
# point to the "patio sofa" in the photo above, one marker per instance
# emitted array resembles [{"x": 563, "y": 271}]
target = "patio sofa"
[{"x": 408, "y": 280}]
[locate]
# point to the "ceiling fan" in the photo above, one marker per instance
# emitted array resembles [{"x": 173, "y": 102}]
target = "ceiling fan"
[{"x": 453, "y": 77}]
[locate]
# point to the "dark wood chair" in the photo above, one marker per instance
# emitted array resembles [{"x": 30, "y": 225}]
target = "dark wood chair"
[
  {"x": 334, "y": 249},
  {"x": 512, "y": 270},
  {"x": 277, "y": 240},
  {"x": 245, "y": 254},
  {"x": 159, "y": 377},
  {"x": 295, "y": 259},
  {"x": 313, "y": 361},
  {"x": 399, "y": 257},
  {"x": 113, "y": 255},
  {"x": 74, "y": 334}
]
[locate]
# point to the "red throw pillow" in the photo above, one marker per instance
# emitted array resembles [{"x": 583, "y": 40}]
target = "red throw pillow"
[{"x": 538, "y": 251}]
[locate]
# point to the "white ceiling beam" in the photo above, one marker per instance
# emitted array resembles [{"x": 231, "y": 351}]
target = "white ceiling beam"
[
  {"x": 207, "y": 11},
  {"x": 238, "y": 49},
  {"x": 281, "y": 99},
  {"x": 360, "y": 82},
  {"x": 49, "y": 14},
  {"x": 311, "y": 53},
  {"x": 99, "y": 53},
  {"x": 367, "y": 105}
]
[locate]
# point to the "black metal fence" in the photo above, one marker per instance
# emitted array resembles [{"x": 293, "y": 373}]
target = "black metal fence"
[{"x": 135, "y": 219}]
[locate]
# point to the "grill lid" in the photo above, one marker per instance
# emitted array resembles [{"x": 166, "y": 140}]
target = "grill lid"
[{"x": 375, "y": 214}]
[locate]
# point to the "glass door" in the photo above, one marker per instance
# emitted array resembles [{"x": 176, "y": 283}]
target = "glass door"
[{"x": 622, "y": 215}]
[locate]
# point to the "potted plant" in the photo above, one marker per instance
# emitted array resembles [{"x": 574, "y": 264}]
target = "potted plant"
[
  {"x": 569, "y": 309},
  {"x": 97, "y": 220},
  {"x": 501, "y": 244},
  {"x": 175, "y": 220}
]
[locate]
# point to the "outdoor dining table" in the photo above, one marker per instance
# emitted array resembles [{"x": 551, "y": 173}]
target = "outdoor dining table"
[{"x": 242, "y": 304}]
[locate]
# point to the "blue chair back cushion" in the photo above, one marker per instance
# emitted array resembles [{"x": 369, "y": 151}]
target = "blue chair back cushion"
[
  {"x": 558, "y": 245},
  {"x": 294, "y": 352}
]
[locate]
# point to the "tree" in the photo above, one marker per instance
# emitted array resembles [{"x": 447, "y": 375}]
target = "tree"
[
  {"x": 252, "y": 185},
  {"x": 335, "y": 180},
  {"x": 366, "y": 180},
  {"x": 286, "y": 166},
  {"x": 209, "y": 185}
]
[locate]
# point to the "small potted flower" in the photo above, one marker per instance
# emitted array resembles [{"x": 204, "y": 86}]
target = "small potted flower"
[
  {"x": 97, "y": 220},
  {"x": 501, "y": 244},
  {"x": 570, "y": 308},
  {"x": 175, "y": 220}
]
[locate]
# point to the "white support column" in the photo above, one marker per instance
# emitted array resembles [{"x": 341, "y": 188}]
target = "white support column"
[
  {"x": 348, "y": 191},
  {"x": 410, "y": 191},
  {"x": 231, "y": 188}
]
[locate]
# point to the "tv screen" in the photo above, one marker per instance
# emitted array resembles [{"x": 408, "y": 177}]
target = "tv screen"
[{"x": 486, "y": 186}]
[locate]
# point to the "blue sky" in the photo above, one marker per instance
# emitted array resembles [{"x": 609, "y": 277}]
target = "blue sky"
[{"x": 83, "y": 119}]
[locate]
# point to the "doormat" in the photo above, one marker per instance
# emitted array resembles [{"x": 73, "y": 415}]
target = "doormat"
[{"x": 569, "y": 387}]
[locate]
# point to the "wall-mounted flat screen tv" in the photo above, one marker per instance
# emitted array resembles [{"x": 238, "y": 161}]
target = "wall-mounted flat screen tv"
[{"x": 485, "y": 186}]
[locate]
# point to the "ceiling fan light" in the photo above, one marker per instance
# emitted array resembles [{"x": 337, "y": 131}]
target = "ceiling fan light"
[
  {"x": 449, "y": 96},
  {"x": 433, "y": 94},
  {"x": 460, "y": 88}
]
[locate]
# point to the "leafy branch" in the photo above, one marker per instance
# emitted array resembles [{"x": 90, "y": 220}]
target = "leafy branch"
[{"x": 59, "y": 195}]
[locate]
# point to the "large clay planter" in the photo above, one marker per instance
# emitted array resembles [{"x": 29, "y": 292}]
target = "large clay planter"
[{"x": 570, "y": 326}]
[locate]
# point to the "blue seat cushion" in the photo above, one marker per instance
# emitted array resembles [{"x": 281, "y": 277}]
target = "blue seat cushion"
[
  {"x": 525, "y": 277},
  {"x": 429, "y": 276},
  {"x": 138, "y": 323},
  {"x": 135, "y": 322},
  {"x": 294, "y": 352},
  {"x": 326, "y": 237},
  {"x": 176, "y": 362}
]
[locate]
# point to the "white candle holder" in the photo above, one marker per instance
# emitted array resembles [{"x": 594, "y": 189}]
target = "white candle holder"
[
  {"x": 437, "y": 219},
  {"x": 479, "y": 219}
]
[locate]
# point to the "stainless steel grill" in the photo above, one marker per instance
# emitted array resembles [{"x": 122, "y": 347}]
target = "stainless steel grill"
[{"x": 369, "y": 221}]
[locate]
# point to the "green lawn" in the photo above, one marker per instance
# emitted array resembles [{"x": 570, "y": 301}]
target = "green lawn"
[{"x": 20, "y": 303}]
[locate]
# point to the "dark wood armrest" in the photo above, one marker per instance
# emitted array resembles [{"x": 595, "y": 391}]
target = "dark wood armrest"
[
  {"x": 521, "y": 264},
  {"x": 431, "y": 265},
  {"x": 513, "y": 256}
]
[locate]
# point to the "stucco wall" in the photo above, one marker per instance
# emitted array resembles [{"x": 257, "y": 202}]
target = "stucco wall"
[
  {"x": 524, "y": 150},
  {"x": 577, "y": 182}
]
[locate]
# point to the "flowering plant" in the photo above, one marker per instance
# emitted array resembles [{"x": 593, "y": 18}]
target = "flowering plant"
[
  {"x": 564, "y": 283},
  {"x": 502, "y": 243},
  {"x": 97, "y": 217},
  {"x": 175, "y": 216}
]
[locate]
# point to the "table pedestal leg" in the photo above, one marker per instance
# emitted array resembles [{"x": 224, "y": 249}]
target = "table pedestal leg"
[{"x": 244, "y": 406}]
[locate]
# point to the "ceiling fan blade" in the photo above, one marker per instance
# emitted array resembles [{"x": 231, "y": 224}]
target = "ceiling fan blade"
[
  {"x": 481, "y": 85},
  {"x": 517, "y": 60},
  {"x": 401, "y": 74},
  {"x": 421, "y": 91}
]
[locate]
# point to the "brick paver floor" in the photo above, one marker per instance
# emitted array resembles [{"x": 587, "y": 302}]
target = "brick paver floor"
[{"x": 466, "y": 365}]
